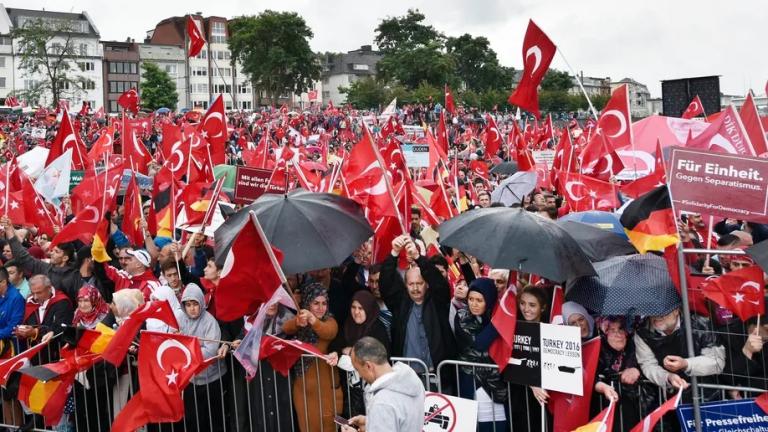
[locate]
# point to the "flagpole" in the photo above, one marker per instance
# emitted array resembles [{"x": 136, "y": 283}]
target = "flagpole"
[
  {"x": 581, "y": 86},
  {"x": 106, "y": 180},
  {"x": 8, "y": 184}
]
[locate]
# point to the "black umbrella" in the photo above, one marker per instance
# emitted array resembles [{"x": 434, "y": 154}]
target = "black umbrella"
[
  {"x": 597, "y": 243},
  {"x": 505, "y": 168},
  {"x": 759, "y": 253},
  {"x": 313, "y": 230},
  {"x": 637, "y": 285},
  {"x": 518, "y": 240}
]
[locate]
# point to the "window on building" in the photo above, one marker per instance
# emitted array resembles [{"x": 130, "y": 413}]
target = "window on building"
[
  {"x": 123, "y": 67},
  {"x": 221, "y": 88},
  {"x": 200, "y": 103},
  {"x": 30, "y": 84},
  {"x": 2, "y": 82},
  {"x": 121, "y": 86},
  {"x": 246, "y": 105},
  {"x": 199, "y": 71},
  {"x": 171, "y": 69},
  {"x": 113, "y": 107},
  {"x": 2, "y": 62},
  {"x": 4, "y": 40},
  {"x": 202, "y": 55},
  {"x": 86, "y": 66},
  {"x": 56, "y": 48},
  {"x": 226, "y": 72},
  {"x": 218, "y": 27},
  {"x": 243, "y": 89},
  {"x": 83, "y": 49},
  {"x": 87, "y": 84},
  {"x": 228, "y": 106},
  {"x": 199, "y": 88},
  {"x": 360, "y": 67}
]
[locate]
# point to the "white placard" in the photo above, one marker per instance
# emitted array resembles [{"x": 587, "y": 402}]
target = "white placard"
[
  {"x": 416, "y": 155},
  {"x": 561, "y": 367},
  {"x": 443, "y": 413},
  {"x": 544, "y": 156}
]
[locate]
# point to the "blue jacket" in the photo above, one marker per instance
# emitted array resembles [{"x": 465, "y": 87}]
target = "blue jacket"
[{"x": 11, "y": 312}]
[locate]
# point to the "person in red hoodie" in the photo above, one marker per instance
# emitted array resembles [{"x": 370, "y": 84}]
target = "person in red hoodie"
[{"x": 137, "y": 273}]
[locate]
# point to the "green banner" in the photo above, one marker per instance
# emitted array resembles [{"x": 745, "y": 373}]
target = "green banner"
[{"x": 75, "y": 178}]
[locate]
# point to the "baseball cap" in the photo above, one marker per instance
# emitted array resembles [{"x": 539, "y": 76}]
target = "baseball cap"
[{"x": 141, "y": 255}]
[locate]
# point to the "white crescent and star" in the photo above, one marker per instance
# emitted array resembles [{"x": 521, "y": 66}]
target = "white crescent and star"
[
  {"x": 622, "y": 121},
  {"x": 94, "y": 214},
  {"x": 534, "y": 51},
  {"x": 569, "y": 188},
  {"x": 216, "y": 115},
  {"x": 750, "y": 284},
  {"x": 503, "y": 303},
  {"x": 170, "y": 344}
]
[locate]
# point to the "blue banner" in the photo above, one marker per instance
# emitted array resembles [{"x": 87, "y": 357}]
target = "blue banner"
[{"x": 725, "y": 416}]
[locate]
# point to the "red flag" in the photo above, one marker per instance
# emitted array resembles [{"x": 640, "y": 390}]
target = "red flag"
[
  {"x": 132, "y": 213},
  {"x": 162, "y": 212},
  {"x": 762, "y": 400},
  {"x": 695, "y": 299},
  {"x": 538, "y": 52},
  {"x": 67, "y": 138},
  {"x": 726, "y": 134},
  {"x": 694, "y": 109},
  {"x": 121, "y": 341},
  {"x": 615, "y": 121},
  {"x": 251, "y": 262},
  {"x": 571, "y": 411},
  {"x": 602, "y": 422},
  {"x": 450, "y": 105},
  {"x": 556, "y": 311},
  {"x": 366, "y": 179},
  {"x": 196, "y": 40},
  {"x": 586, "y": 193},
  {"x": 653, "y": 180},
  {"x": 167, "y": 363},
  {"x": 599, "y": 160},
  {"x": 18, "y": 361},
  {"x": 104, "y": 144},
  {"x": 86, "y": 221},
  {"x": 213, "y": 127},
  {"x": 750, "y": 117},
  {"x": 129, "y": 100},
  {"x": 36, "y": 210},
  {"x": 282, "y": 354},
  {"x": 739, "y": 291},
  {"x": 200, "y": 201},
  {"x": 649, "y": 422},
  {"x": 442, "y": 136},
  {"x": 493, "y": 140},
  {"x": 136, "y": 157},
  {"x": 504, "y": 319}
]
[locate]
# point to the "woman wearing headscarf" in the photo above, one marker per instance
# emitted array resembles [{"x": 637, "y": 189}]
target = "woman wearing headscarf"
[
  {"x": 575, "y": 315},
  {"x": 202, "y": 412},
  {"x": 93, "y": 388},
  {"x": 474, "y": 335},
  {"x": 124, "y": 302},
  {"x": 165, "y": 293},
  {"x": 363, "y": 321},
  {"x": 317, "y": 396}
]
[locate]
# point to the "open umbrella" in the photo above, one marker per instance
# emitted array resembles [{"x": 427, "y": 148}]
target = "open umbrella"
[
  {"x": 518, "y": 240},
  {"x": 637, "y": 285},
  {"x": 513, "y": 189},
  {"x": 598, "y": 244},
  {"x": 505, "y": 168},
  {"x": 759, "y": 253},
  {"x": 313, "y": 230},
  {"x": 599, "y": 219}
]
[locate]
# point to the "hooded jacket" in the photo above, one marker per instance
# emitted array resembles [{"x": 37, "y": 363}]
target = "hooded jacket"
[
  {"x": 395, "y": 402},
  {"x": 204, "y": 326}
]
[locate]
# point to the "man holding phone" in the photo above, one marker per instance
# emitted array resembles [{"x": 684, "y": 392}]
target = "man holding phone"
[{"x": 394, "y": 400}]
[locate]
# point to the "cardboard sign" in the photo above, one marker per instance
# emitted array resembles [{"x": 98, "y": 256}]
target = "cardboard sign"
[
  {"x": 546, "y": 356},
  {"x": 725, "y": 416},
  {"x": 416, "y": 155},
  {"x": 443, "y": 413},
  {"x": 544, "y": 156},
  {"x": 251, "y": 183},
  {"x": 75, "y": 178},
  {"x": 718, "y": 184},
  {"x": 37, "y": 133}
]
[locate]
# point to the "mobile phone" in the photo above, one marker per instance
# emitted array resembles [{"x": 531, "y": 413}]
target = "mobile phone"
[{"x": 341, "y": 421}]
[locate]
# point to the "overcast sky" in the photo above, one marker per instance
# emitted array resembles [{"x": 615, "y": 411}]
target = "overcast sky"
[{"x": 647, "y": 40}]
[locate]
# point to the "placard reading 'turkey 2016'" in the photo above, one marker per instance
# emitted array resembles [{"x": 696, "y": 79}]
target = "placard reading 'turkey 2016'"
[{"x": 546, "y": 356}]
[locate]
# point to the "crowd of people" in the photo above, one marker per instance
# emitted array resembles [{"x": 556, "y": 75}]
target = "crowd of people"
[{"x": 430, "y": 306}]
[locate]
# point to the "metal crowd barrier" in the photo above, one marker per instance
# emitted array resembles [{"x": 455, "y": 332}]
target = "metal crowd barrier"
[{"x": 272, "y": 402}]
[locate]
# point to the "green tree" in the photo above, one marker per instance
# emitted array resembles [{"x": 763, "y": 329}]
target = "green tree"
[
  {"x": 413, "y": 52},
  {"x": 365, "y": 93},
  {"x": 273, "y": 49},
  {"x": 557, "y": 80},
  {"x": 477, "y": 65},
  {"x": 46, "y": 50},
  {"x": 157, "y": 88},
  {"x": 599, "y": 101}
]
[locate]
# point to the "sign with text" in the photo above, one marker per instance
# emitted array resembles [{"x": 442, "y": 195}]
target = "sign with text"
[
  {"x": 75, "y": 178},
  {"x": 725, "y": 416},
  {"x": 416, "y": 155},
  {"x": 445, "y": 413},
  {"x": 719, "y": 184},
  {"x": 251, "y": 183},
  {"x": 544, "y": 156},
  {"x": 546, "y": 356}
]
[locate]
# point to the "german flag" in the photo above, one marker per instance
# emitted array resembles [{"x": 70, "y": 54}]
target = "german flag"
[
  {"x": 99, "y": 245},
  {"x": 162, "y": 217},
  {"x": 89, "y": 341},
  {"x": 649, "y": 221},
  {"x": 46, "y": 398}
]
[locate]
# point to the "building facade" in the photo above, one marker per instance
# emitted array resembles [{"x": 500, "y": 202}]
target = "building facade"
[
  {"x": 638, "y": 97},
  {"x": 171, "y": 59},
  {"x": 341, "y": 70},
  {"x": 80, "y": 37},
  {"x": 121, "y": 71}
]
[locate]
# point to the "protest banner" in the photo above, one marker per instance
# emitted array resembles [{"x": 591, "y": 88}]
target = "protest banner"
[
  {"x": 75, "y": 178},
  {"x": 718, "y": 184},
  {"x": 416, "y": 155},
  {"x": 443, "y": 413},
  {"x": 546, "y": 356},
  {"x": 544, "y": 156},
  {"x": 251, "y": 183},
  {"x": 725, "y": 416}
]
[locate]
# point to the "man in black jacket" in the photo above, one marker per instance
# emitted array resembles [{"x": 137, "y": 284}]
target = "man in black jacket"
[
  {"x": 419, "y": 306},
  {"x": 46, "y": 310}
]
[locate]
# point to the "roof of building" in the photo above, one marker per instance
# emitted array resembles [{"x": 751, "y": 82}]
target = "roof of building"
[{"x": 15, "y": 13}]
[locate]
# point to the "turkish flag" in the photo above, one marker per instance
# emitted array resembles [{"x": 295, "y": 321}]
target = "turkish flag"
[
  {"x": 493, "y": 140},
  {"x": 538, "y": 51},
  {"x": 121, "y": 341},
  {"x": 615, "y": 121},
  {"x": 167, "y": 363},
  {"x": 694, "y": 108},
  {"x": 213, "y": 127},
  {"x": 586, "y": 193},
  {"x": 251, "y": 262},
  {"x": 136, "y": 157},
  {"x": 649, "y": 422},
  {"x": 479, "y": 169},
  {"x": 442, "y": 136},
  {"x": 282, "y": 354},
  {"x": 599, "y": 160},
  {"x": 132, "y": 213},
  {"x": 95, "y": 185},
  {"x": 653, "y": 180},
  {"x": 36, "y": 211},
  {"x": 565, "y": 159},
  {"x": 367, "y": 180},
  {"x": 504, "y": 319},
  {"x": 750, "y": 117},
  {"x": 695, "y": 299},
  {"x": 7, "y": 367},
  {"x": 556, "y": 311},
  {"x": 196, "y": 40},
  {"x": 129, "y": 100},
  {"x": 726, "y": 134},
  {"x": 67, "y": 138},
  {"x": 104, "y": 144},
  {"x": 739, "y": 291},
  {"x": 450, "y": 105},
  {"x": 571, "y": 411},
  {"x": 85, "y": 222}
]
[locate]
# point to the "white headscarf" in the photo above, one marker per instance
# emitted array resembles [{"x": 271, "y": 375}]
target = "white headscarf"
[{"x": 164, "y": 292}]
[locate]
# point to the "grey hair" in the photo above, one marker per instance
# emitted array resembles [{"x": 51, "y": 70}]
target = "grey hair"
[
  {"x": 370, "y": 349},
  {"x": 40, "y": 278}
]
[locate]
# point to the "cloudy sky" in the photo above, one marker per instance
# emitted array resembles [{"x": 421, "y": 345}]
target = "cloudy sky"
[{"x": 648, "y": 40}]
